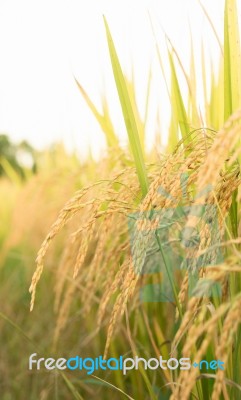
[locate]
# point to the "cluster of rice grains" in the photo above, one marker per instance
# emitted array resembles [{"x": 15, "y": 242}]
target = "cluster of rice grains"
[
  {"x": 104, "y": 262},
  {"x": 200, "y": 328}
]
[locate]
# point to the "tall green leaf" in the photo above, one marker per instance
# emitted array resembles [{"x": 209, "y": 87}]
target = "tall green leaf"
[
  {"x": 128, "y": 114},
  {"x": 192, "y": 114},
  {"x": 232, "y": 79},
  {"x": 139, "y": 122},
  {"x": 103, "y": 119},
  {"x": 215, "y": 107},
  {"x": 232, "y": 59},
  {"x": 178, "y": 103}
]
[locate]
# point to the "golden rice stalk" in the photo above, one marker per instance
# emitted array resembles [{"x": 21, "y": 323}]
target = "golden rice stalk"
[
  {"x": 71, "y": 208},
  {"x": 88, "y": 231},
  {"x": 112, "y": 285},
  {"x": 223, "y": 145},
  {"x": 169, "y": 179},
  {"x": 63, "y": 314},
  {"x": 103, "y": 263},
  {"x": 209, "y": 176},
  {"x": 214, "y": 273},
  {"x": 65, "y": 265},
  {"x": 230, "y": 327},
  {"x": 188, "y": 317},
  {"x": 60, "y": 283},
  {"x": 187, "y": 378},
  {"x": 126, "y": 292},
  {"x": 194, "y": 326},
  {"x": 83, "y": 200},
  {"x": 183, "y": 292}
]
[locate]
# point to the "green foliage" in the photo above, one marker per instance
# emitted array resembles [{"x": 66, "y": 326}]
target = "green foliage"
[
  {"x": 128, "y": 113},
  {"x": 11, "y": 156}
]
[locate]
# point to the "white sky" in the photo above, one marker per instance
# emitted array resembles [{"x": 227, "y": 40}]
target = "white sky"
[{"x": 44, "y": 42}]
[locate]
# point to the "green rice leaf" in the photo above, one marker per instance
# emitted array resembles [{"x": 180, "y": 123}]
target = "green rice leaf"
[
  {"x": 139, "y": 122},
  {"x": 104, "y": 119},
  {"x": 173, "y": 134},
  {"x": 193, "y": 113},
  {"x": 128, "y": 113},
  {"x": 147, "y": 97},
  {"x": 232, "y": 78},
  {"x": 215, "y": 109},
  {"x": 178, "y": 104},
  {"x": 70, "y": 386},
  {"x": 212, "y": 26},
  {"x": 232, "y": 59}
]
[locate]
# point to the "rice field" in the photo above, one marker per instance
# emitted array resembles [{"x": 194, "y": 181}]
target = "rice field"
[{"x": 138, "y": 254}]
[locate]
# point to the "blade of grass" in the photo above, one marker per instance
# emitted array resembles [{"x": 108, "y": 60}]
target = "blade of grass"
[
  {"x": 139, "y": 122},
  {"x": 173, "y": 134},
  {"x": 212, "y": 26},
  {"x": 204, "y": 80},
  {"x": 113, "y": 386},
  {"x": 142, "y": 370},
  {"x": 232, "y": 59},
  {"x": 190, "y": 80},
  {"x": 104, "y": 119},
  {"x": 159, "y": 56},
  {"x": 215, "y": 108},
  {"x": 128, "y": 113},
  {"x": 175, "y": 96},
  {"x": 232, "y": 79},
  {"x": 71, "y": 387},
  {"x": 178, "y": 105},
  {"x": 15, "y": 326},
  {"x": 147, "y": 97}
]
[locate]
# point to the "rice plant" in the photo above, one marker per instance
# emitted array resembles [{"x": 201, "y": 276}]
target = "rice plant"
[{"x": 105, "y": 230}]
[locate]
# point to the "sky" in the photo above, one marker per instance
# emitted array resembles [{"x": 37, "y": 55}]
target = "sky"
[{"x": 44, "y": 44}]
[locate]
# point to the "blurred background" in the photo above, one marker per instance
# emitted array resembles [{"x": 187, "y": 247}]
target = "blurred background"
[{"x": 45, "y": 44}]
